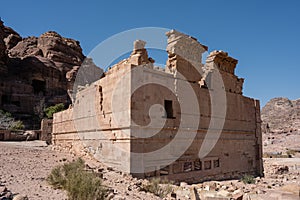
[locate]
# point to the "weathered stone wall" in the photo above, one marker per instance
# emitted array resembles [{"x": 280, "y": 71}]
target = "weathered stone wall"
[
  {"x": 4, "y": 135},
  {"x": 46, "y": 130},
  {"x": 9, "y": 135},
  {"x": 89, "y": 123},
  {"x": 92, "y": 126},
  {"x": 237, "y": 152}
]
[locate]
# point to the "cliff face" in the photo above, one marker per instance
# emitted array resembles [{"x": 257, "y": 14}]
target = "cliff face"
[
  {"x": 63, "y": 52},
  {"x": 3, "y": 56},
  {"x": 33, "y": 72},
  {"x": 281, "y": 115}
]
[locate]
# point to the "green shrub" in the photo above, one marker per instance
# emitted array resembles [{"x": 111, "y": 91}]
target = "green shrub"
[
  {"x": 5, "y": 114},
  {"x": 155, "y": 186},
  {"x": 78, "y": 183},
  {"x": 17, "y": 125},
  {"x": 8, "y": 122},
  {"x": 49, "y": 111},
  {"x": 248, "y": 179}
]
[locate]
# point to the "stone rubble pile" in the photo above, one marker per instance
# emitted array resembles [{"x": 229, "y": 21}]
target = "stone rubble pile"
[{"x": 6, "y": 194}]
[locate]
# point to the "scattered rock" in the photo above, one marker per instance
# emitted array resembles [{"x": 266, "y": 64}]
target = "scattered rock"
[
  {"x": 282, "y": 170},
  {"x": 20, "y": 197},
  {"x": 6, "y": 194},
  {"x": 237, "y": 196},
  {"x": 183, "y": 184},
  {"x": 223, "y": 193}
]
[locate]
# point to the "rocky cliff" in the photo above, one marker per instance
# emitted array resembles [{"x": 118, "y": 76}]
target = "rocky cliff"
[
  {"x": 33, "y": 72},
  {"x": 281, "y": 115},
  {"x": 3, "y": 56}
]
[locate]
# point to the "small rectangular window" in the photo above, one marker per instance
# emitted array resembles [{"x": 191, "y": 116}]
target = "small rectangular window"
[
  {"x": 187, "y": 166},
  {"x": 169, "y": 108},
  {"x": 177, "y": 168},
  {"x": 216, "y": 163},
  {"x": 198, "y": 165},
  {"x": 164, "y": 171},
  {"x": 207, "y": 164}
]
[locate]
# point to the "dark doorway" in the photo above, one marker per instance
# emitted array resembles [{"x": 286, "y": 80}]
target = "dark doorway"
[
  {"x": 169, "y": 108},
  {"x": 39, "y": 86},
  {"x": 38, "y": 136},
  {"x": 5, "y": 99}
]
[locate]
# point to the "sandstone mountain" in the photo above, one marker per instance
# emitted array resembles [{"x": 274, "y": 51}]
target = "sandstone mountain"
[
  {"x": 281, "y": 115},
  {"x": 33, "y": 72}
]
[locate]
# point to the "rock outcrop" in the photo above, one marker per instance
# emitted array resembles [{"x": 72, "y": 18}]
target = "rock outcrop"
[
  {"x": 33, "y": 72},
  {"x": 3, "y": 56},
  {"x": 11, "y": 37},
  {"x": 64, "y": 52},
  {"x": 26, "y": 47},
  {"x": 281, "y": 115}
]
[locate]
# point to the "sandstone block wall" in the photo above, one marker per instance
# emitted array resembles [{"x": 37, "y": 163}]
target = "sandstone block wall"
[
  {"x": 46, "y": 130},
  {"x": 115, "y": 117}
]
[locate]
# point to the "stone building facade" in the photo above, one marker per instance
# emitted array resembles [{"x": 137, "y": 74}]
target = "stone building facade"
[{"x": 149, "y": 121}]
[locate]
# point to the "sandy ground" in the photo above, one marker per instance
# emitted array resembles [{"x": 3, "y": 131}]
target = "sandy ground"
[
  {"x": 24, "y": 167},
  {"x": 281, "y": 143}
]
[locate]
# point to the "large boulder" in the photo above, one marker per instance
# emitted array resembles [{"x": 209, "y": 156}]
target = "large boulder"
[
  {"x": 11, "y": 37},
  {"x": 65, "y": 52},
  {"x": 26, "y": 47}
]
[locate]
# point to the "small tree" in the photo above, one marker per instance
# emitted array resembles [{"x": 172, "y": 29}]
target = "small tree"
[{"x": 49, "y": 111}]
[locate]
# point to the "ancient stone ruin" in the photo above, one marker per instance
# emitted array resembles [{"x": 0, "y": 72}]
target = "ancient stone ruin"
[{"x": 149, "y": 121}]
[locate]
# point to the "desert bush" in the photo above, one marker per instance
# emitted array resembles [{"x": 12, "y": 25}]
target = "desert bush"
[
  {"x": 158, "y": 187},
  {"x": 8, "y": 122},
  {"x": 17, "y": 125},
  {"x": 78, "y": 183},
  {"x": 248, "y": 179},
  {"x": 49, "y": 111}
]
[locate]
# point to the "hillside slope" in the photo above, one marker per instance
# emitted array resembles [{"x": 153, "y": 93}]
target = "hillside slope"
[{"x": 281, "y": 115}]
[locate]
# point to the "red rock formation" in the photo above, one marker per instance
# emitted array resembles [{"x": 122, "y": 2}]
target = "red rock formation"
[
  {"x": 11, "y": 37},
  {"x": 33, "y": 72}
]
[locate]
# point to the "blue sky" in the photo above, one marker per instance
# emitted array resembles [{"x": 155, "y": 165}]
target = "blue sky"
[{"x": 263, "y": 35}]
